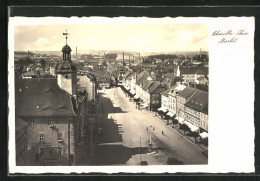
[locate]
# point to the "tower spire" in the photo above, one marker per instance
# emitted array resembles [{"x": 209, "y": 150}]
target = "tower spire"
[{"x": 66, "y": 34}]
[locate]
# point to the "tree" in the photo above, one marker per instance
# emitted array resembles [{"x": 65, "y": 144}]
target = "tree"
[
  {"x": 110, "y": 56},
  {"x": 175, "y": 80},
  {"x": 25, "y": 62},
  {"x": 43, "y": 63},
  {"x": 184, "y": 127},
  {"x": 174, "y": 121}
]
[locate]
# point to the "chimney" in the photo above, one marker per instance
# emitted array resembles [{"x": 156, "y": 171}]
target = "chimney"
[
  {"x": 123, "y": 58},
  {"x": 76, "y": 53}
]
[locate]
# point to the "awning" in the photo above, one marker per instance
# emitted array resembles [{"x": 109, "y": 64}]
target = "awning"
[
  {"x": 192, "y": 127},
  {"x": 160, "y": 109},
  {"x": 136, "y": 97},
  {"x": 181, "y": 120},
  {"x": 170, "y": 114},
  {"x": 132, "y": 92},
  {"x": 204, "y": 135},
  {"x": 164, "y": 110},
  {"x": 144, "y": 105}
]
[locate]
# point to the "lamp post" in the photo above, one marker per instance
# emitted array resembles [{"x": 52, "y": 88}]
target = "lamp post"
[
  {"x": 140, "y": 151},
  {"x": 91, "y": 141}
]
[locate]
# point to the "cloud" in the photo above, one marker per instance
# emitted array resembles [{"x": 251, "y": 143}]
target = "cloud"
[{"x": 41, "y": 42}]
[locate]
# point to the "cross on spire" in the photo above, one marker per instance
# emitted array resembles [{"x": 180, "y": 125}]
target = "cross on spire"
[{"x": 66, "y": 34}]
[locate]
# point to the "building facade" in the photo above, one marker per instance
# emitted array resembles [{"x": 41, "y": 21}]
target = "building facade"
[
  {"x": 21, "y": 140},
  {"x": 196, "y": 108},
  {"x": 182, "y": 98}
]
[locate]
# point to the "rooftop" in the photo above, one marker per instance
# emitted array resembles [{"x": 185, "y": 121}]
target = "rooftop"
[
  {"x": 199, "y": 101},
  {"x": 188, "y": 91},
  {"x": 41, "y": 97},
  {"x": 154, "y": 86},
  {"x": 194, "y": 70},
  {"x": 20, "y": 123}
]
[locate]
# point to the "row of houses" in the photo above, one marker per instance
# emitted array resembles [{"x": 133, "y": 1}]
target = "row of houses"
[
  {"x": 143, "y": 89},
  {"x": 187, "y": 105},
  {"x": 180, "y": 102}
]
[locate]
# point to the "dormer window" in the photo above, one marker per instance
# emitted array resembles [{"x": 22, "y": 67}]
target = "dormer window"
[{"x": 51, "y": 122}]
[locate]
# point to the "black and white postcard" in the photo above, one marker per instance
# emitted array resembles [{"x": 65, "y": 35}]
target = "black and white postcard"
[{"x": 131, "y": 94}]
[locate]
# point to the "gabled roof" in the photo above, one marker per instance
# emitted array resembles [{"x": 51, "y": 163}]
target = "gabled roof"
[
  {"x": 199, "y": 101},
  {"x": 166, "y": 92},
  {"x": 141, "y": 77},
  {"x": 154, "y": 86},
  {"x": 41, "y": 97},
  {"x": 20, "y": 123},
  {"x": 185, "y": 93},
  {"x": 146, "y": 85},
  {"x": 127, "y": 74},
  {"x": 194, "y": 70}
]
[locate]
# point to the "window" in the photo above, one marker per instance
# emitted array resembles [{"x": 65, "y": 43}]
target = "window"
[
  {"x": 59, "y": 136},
  {"x": 60, "y": 151},
  {"x": 51, "y": 122},
  {"x": 41, "y": 137}
]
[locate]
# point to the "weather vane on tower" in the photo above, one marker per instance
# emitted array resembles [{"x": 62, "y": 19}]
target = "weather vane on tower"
[{"x": 66, "y": 34}]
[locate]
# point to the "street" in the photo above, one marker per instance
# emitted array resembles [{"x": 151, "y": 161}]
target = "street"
[{"x": 126, "y": 132}]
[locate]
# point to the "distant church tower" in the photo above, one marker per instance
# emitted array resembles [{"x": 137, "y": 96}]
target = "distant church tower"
[{"x": 67, "y": 71}]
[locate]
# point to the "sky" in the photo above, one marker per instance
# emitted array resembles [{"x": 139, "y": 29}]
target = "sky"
[{"x": 128, "y": 37}]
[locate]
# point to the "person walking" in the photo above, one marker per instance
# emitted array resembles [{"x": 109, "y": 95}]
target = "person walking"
[{"x": 162, "y": 133}]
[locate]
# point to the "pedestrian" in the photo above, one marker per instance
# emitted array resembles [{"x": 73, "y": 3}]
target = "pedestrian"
[
  {"x": 153, "y": 128},
  {"x": 162, "y": 133},
  {"x": 147, "y": 128}
]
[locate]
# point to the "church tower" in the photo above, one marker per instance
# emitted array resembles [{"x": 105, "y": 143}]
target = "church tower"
[{"x": 67, "y": 71}]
